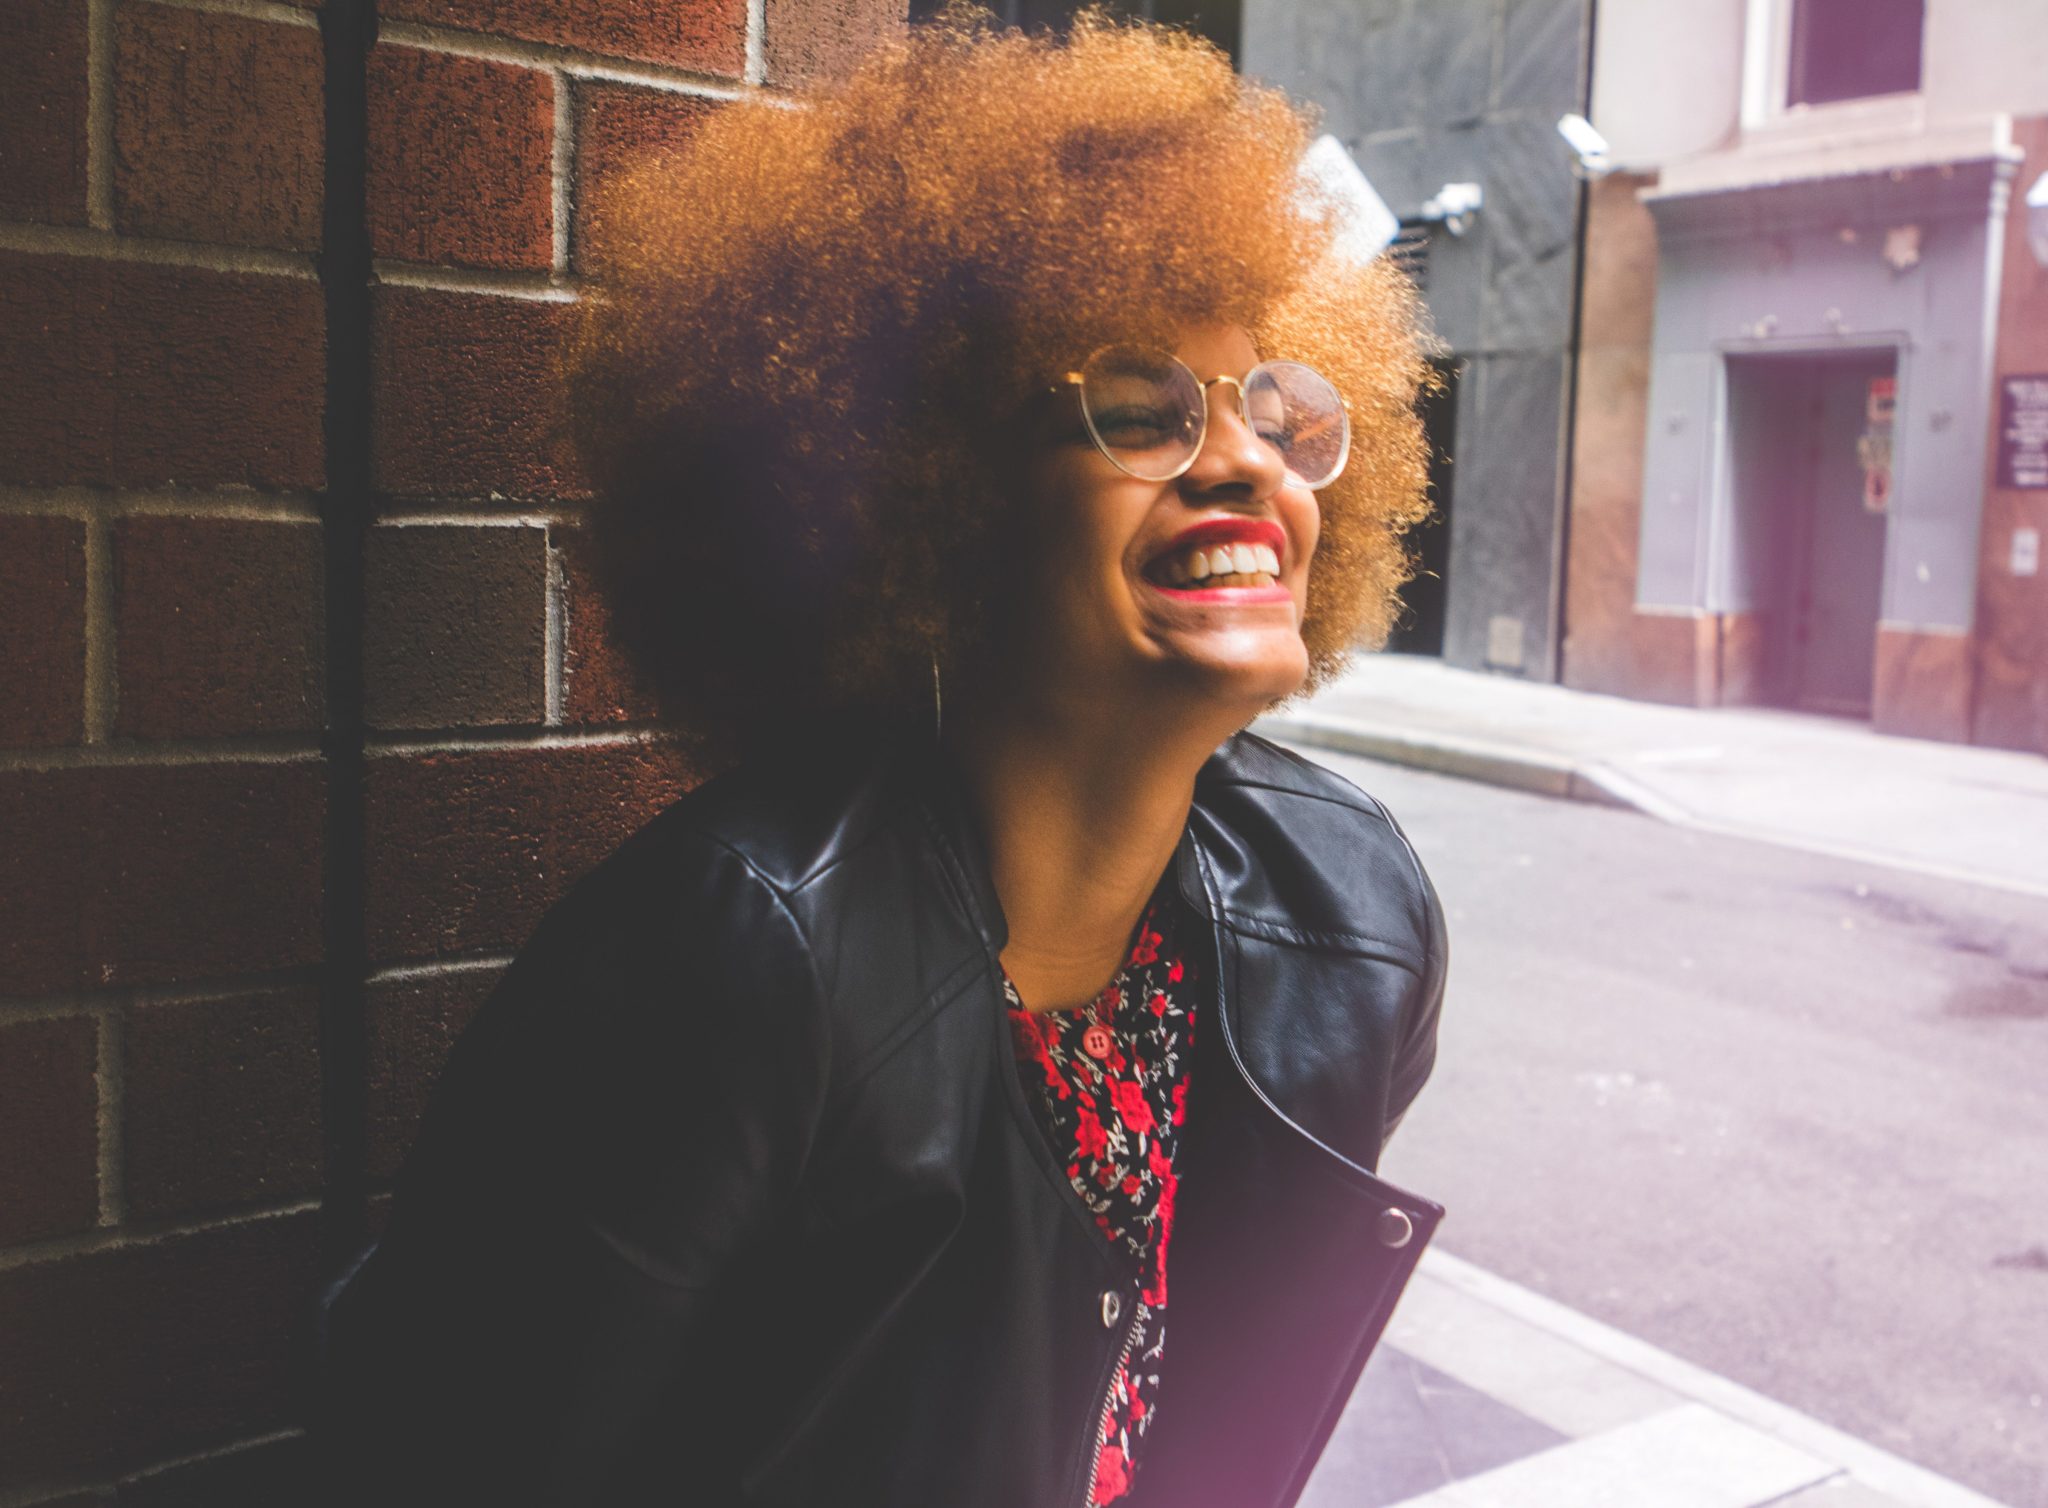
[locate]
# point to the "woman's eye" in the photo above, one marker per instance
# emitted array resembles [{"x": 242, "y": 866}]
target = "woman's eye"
[{"x": 1136, "y": 426}]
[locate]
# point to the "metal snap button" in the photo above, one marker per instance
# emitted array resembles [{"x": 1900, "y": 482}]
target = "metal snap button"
[
  {"x": 1112, "y": 1308},
  {"x": 1395, "y": 1228}
]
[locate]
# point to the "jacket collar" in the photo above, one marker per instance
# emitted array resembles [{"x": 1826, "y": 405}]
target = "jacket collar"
[{"x": 939, "y": 786}]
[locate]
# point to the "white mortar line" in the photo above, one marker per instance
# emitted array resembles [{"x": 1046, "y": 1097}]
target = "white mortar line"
[
  {"x": 757, "y": 41},
  {"x": 102, "y": 692},
  {"x": 179, "y": 1463},
  {"x": 475, "y": 742},
  {"x": 578, "y": 64},
  {"x": 250, "y": 10},
  {"x": 71, "y": 241},
  {"x": 1914, "y": 1486},
  {"x": 53, "y": 1008},
  {"x": 554, "y": 666},
  {"x": 563, "y": 201},
  {"x": 412, "y": 973},
  {"x": 458, "y": 516},
  {"x": 156, "y": 1232},
  {"x": 110, "y": 1079},
  {"x": 294, "y": 749},
  {"x": 89, "y": 502},
  {"x": 99, "y": 114},
  {"x": 231, "y": 987},
  {"x": 537, "y": 287}
]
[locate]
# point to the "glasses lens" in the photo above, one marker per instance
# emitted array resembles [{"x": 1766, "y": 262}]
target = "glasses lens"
[
  {"x": 1144, "y": 409},
  {"x": 1295, "y": 409}
]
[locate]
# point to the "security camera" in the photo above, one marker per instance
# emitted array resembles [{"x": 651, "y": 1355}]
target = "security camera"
[
  {"x": 1588, "y": 146},
  {"x": 1455, "y": 204}
]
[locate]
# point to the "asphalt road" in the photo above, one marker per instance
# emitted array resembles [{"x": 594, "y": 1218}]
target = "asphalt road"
[{"x": 1781, "y": 1114}]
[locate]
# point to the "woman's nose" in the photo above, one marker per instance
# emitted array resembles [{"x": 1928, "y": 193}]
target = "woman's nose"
[{"x": 1232, "y": 453}]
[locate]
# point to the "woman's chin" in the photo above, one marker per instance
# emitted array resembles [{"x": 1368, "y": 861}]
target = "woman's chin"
[{"x": 1237, "y": 681}]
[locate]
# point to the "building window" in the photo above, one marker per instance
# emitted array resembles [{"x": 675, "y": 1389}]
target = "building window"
[{"x": 1852, "y": 49}]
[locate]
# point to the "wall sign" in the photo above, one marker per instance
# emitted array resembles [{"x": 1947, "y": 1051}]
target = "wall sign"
[
  {"x": 2023, "y": 431},
  {"x": 1874, "y": 445}
]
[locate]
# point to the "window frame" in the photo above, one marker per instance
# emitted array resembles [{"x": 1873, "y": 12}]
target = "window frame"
[{"x": 1767, "y": 83}]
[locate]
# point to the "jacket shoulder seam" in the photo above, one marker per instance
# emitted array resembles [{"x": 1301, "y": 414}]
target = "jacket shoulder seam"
[{"x": 1362, "y": 943}]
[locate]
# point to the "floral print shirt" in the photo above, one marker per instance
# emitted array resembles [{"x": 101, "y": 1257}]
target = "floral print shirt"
[{"x": 1109, "y": 1085}]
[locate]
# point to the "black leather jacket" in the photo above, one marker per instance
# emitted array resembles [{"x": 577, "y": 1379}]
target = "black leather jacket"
[{"x": 730, "y": 1194}]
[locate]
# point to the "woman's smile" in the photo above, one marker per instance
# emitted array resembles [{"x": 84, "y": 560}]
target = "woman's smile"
[{"x": 1225, "y": 561}]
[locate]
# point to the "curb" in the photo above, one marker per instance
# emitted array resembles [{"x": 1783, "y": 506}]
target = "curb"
[
  {"x": 1582, "y": 780},
  {"x": 1475, "y": 759},
  {"x": 1910, "y": 1485}
]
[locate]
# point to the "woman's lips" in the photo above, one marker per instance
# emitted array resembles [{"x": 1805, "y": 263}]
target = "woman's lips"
[{"x": 1226, "y": 596}]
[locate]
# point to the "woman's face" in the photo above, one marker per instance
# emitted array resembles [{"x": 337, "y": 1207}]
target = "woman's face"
[{"x": 1109, "y": 614}]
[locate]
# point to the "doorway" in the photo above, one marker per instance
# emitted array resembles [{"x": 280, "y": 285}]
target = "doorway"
[
  {"x": 1419, "y": 628},
  {"x": 1810, "y": 469}
]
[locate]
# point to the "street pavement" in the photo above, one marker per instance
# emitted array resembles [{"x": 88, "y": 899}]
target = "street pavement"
[
  {"x": 1754, "y": 1102},
  {"x": 1819, "y": 783}
]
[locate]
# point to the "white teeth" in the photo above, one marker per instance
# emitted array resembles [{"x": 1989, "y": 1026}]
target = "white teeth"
[{"x": 1242, "y": 559}]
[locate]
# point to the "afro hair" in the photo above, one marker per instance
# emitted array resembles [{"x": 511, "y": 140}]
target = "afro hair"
[{"x": 796, "y": 382}]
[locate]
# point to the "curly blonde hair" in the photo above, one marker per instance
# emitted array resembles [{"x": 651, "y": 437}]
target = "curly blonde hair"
[{"x": 797, "y": 384}]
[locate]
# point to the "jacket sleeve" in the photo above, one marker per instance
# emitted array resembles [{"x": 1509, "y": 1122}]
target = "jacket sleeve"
[
  {"x": 622, "y": 1124},
  {"x": 1416, "y": 1055}
]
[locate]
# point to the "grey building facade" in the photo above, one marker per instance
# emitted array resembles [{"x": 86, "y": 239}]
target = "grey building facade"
[{"x": 1426, "y": 93}]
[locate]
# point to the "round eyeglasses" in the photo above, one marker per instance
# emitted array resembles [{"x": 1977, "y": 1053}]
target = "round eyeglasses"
[{"x": 1148, "y": 412}]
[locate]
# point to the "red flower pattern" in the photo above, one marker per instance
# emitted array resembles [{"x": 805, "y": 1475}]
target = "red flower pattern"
[{"x": 1115, "y": 1123}]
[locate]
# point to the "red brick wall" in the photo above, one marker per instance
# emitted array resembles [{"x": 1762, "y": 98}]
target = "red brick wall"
[{"x": 307, "y": 708}]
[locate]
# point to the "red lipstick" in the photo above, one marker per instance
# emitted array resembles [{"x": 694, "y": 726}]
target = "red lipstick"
[{"x": 1217, "y": 531}]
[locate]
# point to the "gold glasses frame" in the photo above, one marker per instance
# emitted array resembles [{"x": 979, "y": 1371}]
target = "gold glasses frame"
[{"x": 1078, "y": 380}]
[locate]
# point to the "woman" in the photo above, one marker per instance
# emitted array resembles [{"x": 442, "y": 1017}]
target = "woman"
[{"x": 834, "y": 1142}]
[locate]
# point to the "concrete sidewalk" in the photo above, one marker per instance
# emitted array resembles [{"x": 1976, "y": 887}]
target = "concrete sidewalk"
[
  {"x": 1485, "y": 1395},
  {"x": 1812, "y": 782}
]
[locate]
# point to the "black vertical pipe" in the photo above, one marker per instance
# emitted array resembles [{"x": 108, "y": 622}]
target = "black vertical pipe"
[
  {"x": 348, "y": 29},
  {"x": 1561, "y": 613}
]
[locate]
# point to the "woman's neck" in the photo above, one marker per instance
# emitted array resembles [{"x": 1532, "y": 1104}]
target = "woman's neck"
[{"x": 1080, "y": 817}]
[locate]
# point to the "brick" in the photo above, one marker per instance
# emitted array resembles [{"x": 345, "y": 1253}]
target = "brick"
[
  {"x": 455, "y": 625},
  {"x": 42, "y": 625},
  {"x": 220, "y": 627},
  {"x": 49, "y": 1144},
  {"x": 412, "y": 1024},
  {"x": 466, "y": 850},
  {"x": 461, "y": 160},
  {"x": 221, "y": 1103},
  {"x": 218, "y": 124},
  {"x": 600, "y": 685},
  {"x": 123, "y": 1356},
  {"x": 42, "y": 111},
  {"x": 806, "y": 40},
  {"x": 468, "y": 399},
  {"x": 138, "y": 874},
  {"x": 264, "y": 1475},
  {"x": 708, "y": 36},
  {"x": 128, "y": 374},
  {"x": 617, "y": 126}
]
